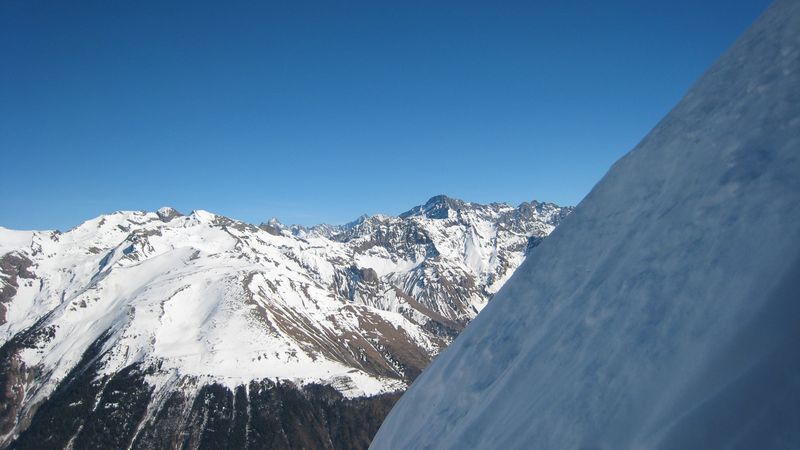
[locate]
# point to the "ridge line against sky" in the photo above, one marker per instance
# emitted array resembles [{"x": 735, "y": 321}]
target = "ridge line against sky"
[{"x": 318, "y": 113}]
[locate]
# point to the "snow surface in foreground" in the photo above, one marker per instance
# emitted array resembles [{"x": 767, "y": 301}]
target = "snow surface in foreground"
[{"x": 664, "y": 312}]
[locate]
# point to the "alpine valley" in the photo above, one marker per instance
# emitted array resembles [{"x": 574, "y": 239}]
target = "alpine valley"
[{"x": 163, "y": 330}]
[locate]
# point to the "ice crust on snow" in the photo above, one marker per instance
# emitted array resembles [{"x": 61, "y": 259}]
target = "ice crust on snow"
[{"x": 664, "y": 312}]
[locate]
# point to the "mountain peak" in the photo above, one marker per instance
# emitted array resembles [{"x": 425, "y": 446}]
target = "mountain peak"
[
  {"x": 202, "y": 215},
  {"x": 273, "y": 221},
  {"x": 273, "y": 226},
  {"x": 167, "y": 213},
  {"x": 437, "y": 207},
  {"x": 442, "y": 199}
]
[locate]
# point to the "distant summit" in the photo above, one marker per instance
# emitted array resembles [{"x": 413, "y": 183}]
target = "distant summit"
[
  {"x": 167, "y": 213},
  {"x": 437, "y": 207}
]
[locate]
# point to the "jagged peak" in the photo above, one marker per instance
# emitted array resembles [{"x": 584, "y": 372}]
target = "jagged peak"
[
  {"x": 167, "y": 213},
  {"x": 437, "y": 207},
  {"x": 273, "y": 226},
  {"x": 274, "y": 221},
  {"x": 444, "y": 200}
]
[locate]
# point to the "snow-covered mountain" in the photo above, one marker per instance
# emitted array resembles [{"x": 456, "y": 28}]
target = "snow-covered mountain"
[
  {"x": 664, "y": 311},
  {"x": 136, "y": 327}
]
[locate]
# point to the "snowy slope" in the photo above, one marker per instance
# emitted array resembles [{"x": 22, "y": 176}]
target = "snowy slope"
[
  {"x": 201, "y": 299},
  {"x": 663, "y": 313}
]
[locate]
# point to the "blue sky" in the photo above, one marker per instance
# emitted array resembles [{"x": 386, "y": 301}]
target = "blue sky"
[{"x": 321, "y": 111}]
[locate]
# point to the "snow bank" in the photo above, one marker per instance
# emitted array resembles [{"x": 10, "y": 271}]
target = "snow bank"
[{"x": 663, "y": 313}]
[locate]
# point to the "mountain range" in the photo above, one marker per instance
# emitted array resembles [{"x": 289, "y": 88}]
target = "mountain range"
[{"x": 164, "y": 330}]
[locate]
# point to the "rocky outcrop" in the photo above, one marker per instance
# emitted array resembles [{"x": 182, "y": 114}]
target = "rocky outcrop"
[{"x": 14, "y": 268}]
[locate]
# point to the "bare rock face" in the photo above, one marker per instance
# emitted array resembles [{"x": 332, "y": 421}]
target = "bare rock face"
[
  {"x": 13, "y": 270},
  {"x": 154, "y": 330}
]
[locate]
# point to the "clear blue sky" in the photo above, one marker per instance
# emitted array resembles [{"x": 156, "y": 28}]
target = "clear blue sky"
[{"x": 321, "y": 111}]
